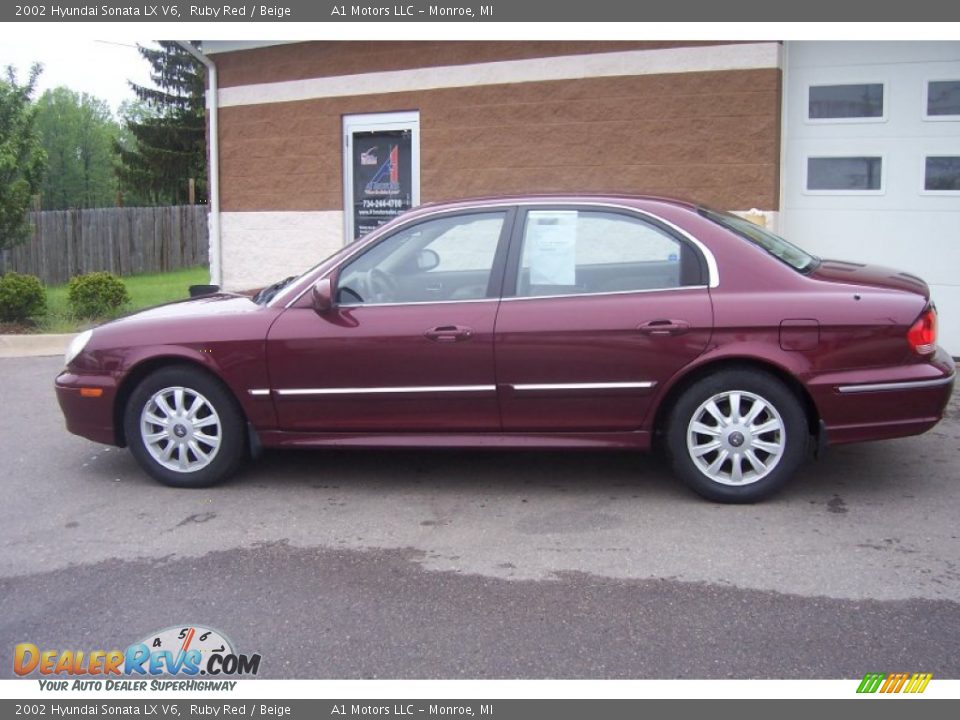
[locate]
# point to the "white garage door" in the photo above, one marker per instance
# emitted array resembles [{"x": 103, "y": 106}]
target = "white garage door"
[{"x": 872, "y": 159}]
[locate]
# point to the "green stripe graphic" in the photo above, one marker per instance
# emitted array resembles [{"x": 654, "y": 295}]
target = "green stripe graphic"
[{"x": 871, "y": 682}]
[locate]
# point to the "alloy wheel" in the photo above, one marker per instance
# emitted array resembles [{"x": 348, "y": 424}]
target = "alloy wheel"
[
  {"x": 180, "y": 429},
  {"x": 736, "y": 438}
]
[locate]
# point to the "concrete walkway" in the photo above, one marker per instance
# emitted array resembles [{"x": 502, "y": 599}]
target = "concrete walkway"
[{"x": 34, "y": 345}]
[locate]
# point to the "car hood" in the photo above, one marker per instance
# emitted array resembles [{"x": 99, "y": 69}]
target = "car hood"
[
  {"x": 874, "y": 276},
  {"x": 208, "y": 306}
]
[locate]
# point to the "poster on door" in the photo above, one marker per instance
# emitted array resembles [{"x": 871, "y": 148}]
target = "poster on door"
[{"x": 382, "y": 178}]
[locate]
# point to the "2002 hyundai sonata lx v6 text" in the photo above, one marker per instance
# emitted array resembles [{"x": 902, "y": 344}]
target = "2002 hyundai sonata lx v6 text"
[{"x": 529, "y": 322}]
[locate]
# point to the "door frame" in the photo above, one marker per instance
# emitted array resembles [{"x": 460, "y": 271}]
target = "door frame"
[{"x": 372, "y": 122}]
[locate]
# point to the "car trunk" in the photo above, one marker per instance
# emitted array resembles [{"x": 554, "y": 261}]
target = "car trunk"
[{"x": 871, "y": 276}]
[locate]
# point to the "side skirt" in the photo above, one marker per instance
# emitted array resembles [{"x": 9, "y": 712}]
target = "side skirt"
[{"x": 638, "y": 440}]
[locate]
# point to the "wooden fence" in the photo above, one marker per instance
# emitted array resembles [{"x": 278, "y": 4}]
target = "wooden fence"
[{"x": 124, "y": 241}]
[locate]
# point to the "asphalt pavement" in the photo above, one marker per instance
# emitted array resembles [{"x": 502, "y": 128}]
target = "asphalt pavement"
[{"x": 489, "y": 565}]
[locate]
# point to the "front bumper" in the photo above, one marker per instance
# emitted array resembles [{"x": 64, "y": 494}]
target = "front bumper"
[
  {"x": 89, "y": 417},
  {"x": 881, "y": 403}
]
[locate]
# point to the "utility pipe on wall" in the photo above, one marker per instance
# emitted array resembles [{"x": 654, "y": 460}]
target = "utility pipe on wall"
[{"x": 216, "y": 270}]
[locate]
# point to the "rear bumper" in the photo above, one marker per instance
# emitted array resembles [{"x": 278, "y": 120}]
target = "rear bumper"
[
  {"x": 882, "y": 403},
  {"x": 89, "y": 417}
]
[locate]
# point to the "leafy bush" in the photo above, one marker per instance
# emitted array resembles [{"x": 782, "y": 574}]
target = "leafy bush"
[
  {"x": 96, "y": 294},
  {"x": 22, "y": 297}
]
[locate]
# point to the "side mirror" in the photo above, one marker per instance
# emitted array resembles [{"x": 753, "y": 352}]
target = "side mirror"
[
  {"x": 427, "y": 260},
  {"x": 322, "y": 295}
]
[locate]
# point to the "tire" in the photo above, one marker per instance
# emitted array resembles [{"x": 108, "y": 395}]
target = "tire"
[
  {"x": 707, "y": 442},
  {"x": 185, "y": 428}
]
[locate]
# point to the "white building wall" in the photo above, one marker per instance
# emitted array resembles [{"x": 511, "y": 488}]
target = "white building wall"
[
  {"x": 262, "y": 247},
  {"x": 902, "y": 225}
]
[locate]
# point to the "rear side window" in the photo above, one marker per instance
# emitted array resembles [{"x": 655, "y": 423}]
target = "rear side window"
[
  {"x": 571, "y": 252},
  {"x": 786, "y": 252}
]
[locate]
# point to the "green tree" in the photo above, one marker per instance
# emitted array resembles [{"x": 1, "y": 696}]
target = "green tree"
[
  {"x": 169, "y": 141},
  {"x": 21, "y": 155},
  {"x": 78, "y": 133},
  {"x": 131, "y": 112}
]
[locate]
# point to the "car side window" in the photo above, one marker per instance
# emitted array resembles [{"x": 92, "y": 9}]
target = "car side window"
[
  {"x": 444, "y": 259},
  {"x": 571, "y": 252}
]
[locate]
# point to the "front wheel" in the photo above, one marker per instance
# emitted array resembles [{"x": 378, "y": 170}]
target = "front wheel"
[
  {"x": 184, "y": 428},
  {"x": 737, "y": 436}
]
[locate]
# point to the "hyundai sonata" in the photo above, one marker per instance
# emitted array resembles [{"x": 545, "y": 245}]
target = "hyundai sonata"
[{"x": 528, "y": 322}]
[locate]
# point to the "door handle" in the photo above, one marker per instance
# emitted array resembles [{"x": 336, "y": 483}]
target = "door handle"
[
  {"x": 448, "y": 333},
  {"x": 664, "y": 327}
]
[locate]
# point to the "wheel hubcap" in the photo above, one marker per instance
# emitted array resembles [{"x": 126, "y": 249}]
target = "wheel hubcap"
[
  {"x": 736, "y": 438},
  {"x": 180, "y": 429}
]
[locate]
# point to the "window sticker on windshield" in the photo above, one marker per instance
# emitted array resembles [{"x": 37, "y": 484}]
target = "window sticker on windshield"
[{"x": 551, "y": 247}]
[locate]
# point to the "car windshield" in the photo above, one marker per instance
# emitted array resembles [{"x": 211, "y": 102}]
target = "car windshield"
[
  {"x": 781, "y": 249},
  {"x": 266, "y": 294},
  {"x": 271, "y": 291}
]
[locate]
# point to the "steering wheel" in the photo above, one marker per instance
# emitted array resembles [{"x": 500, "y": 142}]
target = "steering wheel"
[
  {"x": 383, "y": 286},
  {"x": 344, "y": 290}
]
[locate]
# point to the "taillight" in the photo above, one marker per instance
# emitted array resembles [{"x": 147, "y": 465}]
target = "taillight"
[{"x": 922, "y": 335}]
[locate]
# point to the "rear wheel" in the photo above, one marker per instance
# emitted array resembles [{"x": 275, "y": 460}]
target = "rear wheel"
[
  {"x": 737, "y": 436},
  {"x": 184, "y": 428}
]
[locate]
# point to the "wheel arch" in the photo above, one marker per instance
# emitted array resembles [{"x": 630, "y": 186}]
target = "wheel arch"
[
  {"x": 680, "y": 383},
  {"x": 146, "y": 367}
]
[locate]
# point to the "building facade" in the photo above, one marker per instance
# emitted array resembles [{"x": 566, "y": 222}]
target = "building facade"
[{"x": 849, "y": 149}]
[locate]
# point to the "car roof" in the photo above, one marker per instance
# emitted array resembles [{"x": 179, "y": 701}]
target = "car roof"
[{"x": 572, "y": 198}]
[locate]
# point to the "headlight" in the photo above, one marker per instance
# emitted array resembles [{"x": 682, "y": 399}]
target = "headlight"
[{"x": 77, "y": 345}]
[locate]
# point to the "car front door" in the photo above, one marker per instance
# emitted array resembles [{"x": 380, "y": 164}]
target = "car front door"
[
  {"x": 600, "y": 306},
  {"x": 408, "y": 343}
]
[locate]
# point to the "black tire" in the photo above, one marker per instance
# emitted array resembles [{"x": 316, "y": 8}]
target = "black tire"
[
  {"x": 217, "y": 418},
  {"x": 779, "y": 409}
]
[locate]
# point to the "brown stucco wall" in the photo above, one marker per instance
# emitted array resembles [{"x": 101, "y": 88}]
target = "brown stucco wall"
[{"x": 711, "y": 136}]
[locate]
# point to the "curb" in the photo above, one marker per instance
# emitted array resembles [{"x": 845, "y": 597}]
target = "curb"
[{"x": 14, "y": 346}]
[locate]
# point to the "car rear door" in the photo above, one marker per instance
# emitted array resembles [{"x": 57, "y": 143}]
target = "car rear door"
[{"x": 601, "y": 305}]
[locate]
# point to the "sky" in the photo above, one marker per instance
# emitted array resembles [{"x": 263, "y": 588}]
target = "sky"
[{"x": 101, "y": 68}]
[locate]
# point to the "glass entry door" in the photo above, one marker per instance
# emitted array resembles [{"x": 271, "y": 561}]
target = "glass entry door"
[{"x": 381, "y": 169}]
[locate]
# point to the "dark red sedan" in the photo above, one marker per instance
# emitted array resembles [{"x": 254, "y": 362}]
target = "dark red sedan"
[{"x": 529, "y": 322}]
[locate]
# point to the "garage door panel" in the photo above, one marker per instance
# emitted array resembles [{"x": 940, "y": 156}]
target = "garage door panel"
[{"x": 900, "y": 225}]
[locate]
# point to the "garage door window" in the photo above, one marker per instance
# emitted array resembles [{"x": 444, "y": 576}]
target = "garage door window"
[
  {"x": 862, "y": 174},
  {"x": 942, "y": 173},
  {"x": 846, "y": 102},
  {"x": 943, "y": 100}
]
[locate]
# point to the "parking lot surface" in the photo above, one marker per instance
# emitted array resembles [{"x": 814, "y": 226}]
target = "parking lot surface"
[{"x": 468, "y": 564}]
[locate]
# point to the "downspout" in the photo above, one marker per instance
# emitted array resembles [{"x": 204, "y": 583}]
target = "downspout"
[
  {"x": 216, "y": 271},
  {"x": 784, "y": 61}
]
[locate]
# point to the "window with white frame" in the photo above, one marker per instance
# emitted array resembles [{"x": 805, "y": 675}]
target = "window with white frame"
[
  {"x": 845, "y": 174},
  {"x": 941, "y": 173},
  {"x": 943, "y": 99},
  {"x": 859, "y": 101}
]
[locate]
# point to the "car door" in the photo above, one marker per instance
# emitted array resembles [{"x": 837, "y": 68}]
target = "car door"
[
  {"x": 600, "y": 306},
  {"x": 408, "y": 344}
]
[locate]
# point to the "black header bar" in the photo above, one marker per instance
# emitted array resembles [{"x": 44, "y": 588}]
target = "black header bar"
[
  {"x": 532, "y": 11},
  {"x": 213, "y": 705}
]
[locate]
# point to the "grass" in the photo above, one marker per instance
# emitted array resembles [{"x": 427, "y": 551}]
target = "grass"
[{"x": 145, "y": 291}]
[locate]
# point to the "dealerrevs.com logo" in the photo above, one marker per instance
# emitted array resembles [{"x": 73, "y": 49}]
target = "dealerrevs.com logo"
[{"x": 188, "y": 652}]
